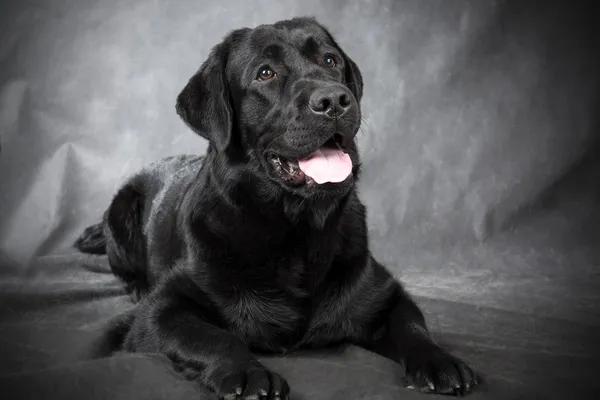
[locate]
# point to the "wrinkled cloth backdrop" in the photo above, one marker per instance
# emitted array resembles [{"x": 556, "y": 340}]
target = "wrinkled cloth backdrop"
[{"x": 480, "y": 178}]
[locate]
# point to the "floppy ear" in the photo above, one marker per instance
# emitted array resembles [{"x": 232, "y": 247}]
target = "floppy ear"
[
  {"x": 204, "y": 103},
  {"x": 353, "y": 76}
]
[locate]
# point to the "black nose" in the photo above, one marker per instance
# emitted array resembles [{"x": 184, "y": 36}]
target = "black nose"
[{"x": 331, "y": 101}]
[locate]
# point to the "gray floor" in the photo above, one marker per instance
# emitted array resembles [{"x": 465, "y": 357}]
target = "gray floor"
[{"x": 480, "y": 179}]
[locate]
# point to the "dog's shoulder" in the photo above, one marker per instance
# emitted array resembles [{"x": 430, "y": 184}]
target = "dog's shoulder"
[{"x": 171, "y": 169}]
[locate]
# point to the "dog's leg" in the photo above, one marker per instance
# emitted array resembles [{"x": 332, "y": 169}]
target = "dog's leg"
[
  {"x": 125, "y": 244},
  {"x": 173, "y": 324},
  {"x": 429, "y": 367}
]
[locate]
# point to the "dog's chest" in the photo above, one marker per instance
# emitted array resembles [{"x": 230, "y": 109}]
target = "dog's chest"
[
  {"x": 263, "y": 259},
  {"x": 272, "y": 300},
  {"x": 269, "y": 322},
  {"x": 267, "y": 279}
]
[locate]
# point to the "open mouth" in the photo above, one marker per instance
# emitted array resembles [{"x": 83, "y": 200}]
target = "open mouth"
[{"x": 328, "y": 163}]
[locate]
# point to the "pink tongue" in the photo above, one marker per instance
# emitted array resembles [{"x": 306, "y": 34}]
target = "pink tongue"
[{"x": 327, "y": 165}]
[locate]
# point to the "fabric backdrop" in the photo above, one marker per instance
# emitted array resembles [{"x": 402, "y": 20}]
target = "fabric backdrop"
[{"x": 480, "y": 177}]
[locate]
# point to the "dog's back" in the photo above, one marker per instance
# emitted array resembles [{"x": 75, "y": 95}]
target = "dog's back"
[{"x": 141, "y": 216}]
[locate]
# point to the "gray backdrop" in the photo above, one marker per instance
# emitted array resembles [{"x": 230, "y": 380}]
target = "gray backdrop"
[{"x": 480, "y": 177}]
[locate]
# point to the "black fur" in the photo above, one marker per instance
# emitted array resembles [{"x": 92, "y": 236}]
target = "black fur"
[{"x": 228, "y": 258}]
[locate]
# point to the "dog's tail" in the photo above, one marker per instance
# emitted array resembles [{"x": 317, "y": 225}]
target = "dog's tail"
[{"x": 92, "y": 240}]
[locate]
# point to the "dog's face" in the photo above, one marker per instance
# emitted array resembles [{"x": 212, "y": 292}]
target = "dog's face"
[{"x": 286, "y": 97}]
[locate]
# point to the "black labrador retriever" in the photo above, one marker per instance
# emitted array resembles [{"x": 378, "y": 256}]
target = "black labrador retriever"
[{"x": 261, "y": 246}]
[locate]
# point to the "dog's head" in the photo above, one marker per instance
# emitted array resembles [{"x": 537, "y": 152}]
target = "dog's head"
[{"x": 284, "y": 99}]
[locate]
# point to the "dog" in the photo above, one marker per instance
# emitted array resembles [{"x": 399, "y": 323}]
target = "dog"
[{"x": 260, "y": 246}]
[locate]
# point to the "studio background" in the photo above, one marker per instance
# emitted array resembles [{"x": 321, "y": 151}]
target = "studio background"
[{"x": 480, "y": 177}]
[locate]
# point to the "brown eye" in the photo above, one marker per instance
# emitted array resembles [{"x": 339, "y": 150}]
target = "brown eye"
[
  {"x": 266, "y": 73},
  {"x": 329, "y": 61}
]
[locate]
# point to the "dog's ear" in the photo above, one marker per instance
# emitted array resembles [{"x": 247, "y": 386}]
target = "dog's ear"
[
  {"x": 353, "y": 76},
  {"x": 204, "y": 103}
]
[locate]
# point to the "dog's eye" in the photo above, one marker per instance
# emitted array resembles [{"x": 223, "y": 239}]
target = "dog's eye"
[
  {"x": 329, "y": 61},
  {"x": 265, "y": 74}
]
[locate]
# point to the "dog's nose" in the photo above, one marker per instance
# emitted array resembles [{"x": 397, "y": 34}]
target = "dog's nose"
[{"x": 331, "y": 101}]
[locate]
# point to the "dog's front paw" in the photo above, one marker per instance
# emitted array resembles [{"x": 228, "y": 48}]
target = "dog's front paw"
[
  {"x": 252, "y": 382},
  {"x": 437, "y": 371}
]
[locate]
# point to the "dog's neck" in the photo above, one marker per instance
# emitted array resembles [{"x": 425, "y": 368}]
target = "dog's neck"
[
  {"x": 241, "y": 205},
  {"x": 240, "y": 186}
]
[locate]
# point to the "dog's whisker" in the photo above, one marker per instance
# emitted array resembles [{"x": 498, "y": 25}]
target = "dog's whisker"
[{"x": 364, "y": 127}]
